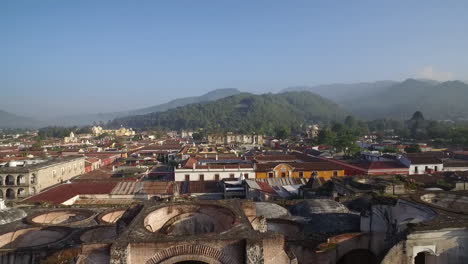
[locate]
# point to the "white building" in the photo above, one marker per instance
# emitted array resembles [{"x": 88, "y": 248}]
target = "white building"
[
  {"x": 213, "y": 171},
  {"x": 422, "y": 164}
]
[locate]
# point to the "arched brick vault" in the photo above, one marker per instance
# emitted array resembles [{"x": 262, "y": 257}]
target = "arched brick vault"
[{"x": 188, "y": 250}]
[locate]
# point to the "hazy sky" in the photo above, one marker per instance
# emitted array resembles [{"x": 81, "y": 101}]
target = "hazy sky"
[{"x": 63, "y": 56}]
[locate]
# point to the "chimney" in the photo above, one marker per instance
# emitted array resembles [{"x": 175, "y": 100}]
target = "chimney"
[{"x": 194, "y": 165}]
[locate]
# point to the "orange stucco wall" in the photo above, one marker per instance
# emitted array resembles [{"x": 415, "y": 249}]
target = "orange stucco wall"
[{"x": 289, "y": 172}]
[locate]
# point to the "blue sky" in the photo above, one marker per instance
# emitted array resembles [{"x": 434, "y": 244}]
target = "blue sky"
[{"x": 62, "y": 56}]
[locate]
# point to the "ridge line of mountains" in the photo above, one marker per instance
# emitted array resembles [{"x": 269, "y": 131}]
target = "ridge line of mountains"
[{"x": 366, "y": 100}]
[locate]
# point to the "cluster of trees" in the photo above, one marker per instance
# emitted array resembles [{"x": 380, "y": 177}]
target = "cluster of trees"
[
  {"x": 342, "y": 137},
  {"x": 443, "y": 133},
  {"x": 60, "y": 132}
]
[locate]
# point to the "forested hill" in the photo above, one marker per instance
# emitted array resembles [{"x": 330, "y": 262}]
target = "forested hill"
[
  {"x": 446, "y": 100},
  {"x": 243, "y": 112}
]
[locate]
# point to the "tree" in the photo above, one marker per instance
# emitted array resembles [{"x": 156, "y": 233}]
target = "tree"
[
  {"x": 417, "y": 116},
  {"x": 413, "y": 149},
  {"x": 326, "y": 137},
  {"x": 389, "y": 149},
  {"x": 37, "y": 144},
  {"x": 197, "y": 136},
  {"x": 282, "y": 132}
]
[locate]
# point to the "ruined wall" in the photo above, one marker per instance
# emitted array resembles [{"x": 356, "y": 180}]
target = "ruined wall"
[{"x": 441, "y": 246}]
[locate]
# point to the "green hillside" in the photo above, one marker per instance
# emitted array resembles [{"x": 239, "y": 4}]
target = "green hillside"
[{"x": 243, "y": 112}]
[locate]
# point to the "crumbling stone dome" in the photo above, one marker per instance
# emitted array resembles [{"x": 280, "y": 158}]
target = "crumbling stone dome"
[
  {"x": 112, "y": 217},
  {"x": 286, "y": 227},
  {"x": 270, "y": 210},
  {"x": 11, "y": 215},
  {"x": 61, "y": 217},
  {"x": 31, "y": 237},
  {"x": 309, "y": 208},
  {"x": 99, "y": 234},
  {"x": 180, "y": 220}
]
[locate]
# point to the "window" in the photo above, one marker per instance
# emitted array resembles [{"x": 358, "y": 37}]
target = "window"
[
  {"x": 187, "y": 177},
  {"x": 426, "y": 168},
  {"x": 415, "y": 169},
  {"x": 283, "y": 174},
  {"x": 216, "y": 177},
  {"x": 335, "y": 173},
  {"x": 63, "y": 171},
  {"x": 246, "y": 175},
  {"x": 270, "y": 175},
  {"x": 435, "y": 168},
  {"x": 301, "y": 174},
  {"x": 33, "y": 178},
  {"x": 54, "y": 173},
  {"x": 231, "y": 175},
  {"x": 201, "y": 177}
]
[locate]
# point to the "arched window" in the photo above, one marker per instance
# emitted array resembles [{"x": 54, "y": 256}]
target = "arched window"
[
  {"x": 1, "y": 194},
  {"x": 20, "y": 180},
  {"x": 21, "y": 192},
  {"x": 33, "y": 190},
  {"x": 10, "y": 180},
  {"x": 33, "y": 178},
  {"x": 10, "y": 194},
  {"x": 1, "y": 180}
]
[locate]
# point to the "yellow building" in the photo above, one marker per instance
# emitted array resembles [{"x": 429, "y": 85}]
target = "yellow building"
[{"x": 322, "y": 169}]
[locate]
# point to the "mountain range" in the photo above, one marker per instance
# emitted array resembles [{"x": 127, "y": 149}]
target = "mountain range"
[
  {"x": 10, "y": 120},
  {"x": 367, "y": 100},
  {"x": 438, "y": 101}
]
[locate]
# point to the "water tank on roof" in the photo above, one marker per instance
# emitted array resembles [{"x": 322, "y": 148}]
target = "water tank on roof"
[{"x": 13, "y": 163}]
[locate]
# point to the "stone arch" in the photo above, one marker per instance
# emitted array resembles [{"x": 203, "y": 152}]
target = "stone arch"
[
  {"x": 188, "y": 252},
  {"x": 10, "y": 194},
  {"x": 423, "y": 255},
  {"x": 362, "y": 256},
  {"x": 21, "y": 192},
  {"x": 20, "y": 179},
  {"x": 9, "y": 180},
  {"x": 33, "y": 178}
]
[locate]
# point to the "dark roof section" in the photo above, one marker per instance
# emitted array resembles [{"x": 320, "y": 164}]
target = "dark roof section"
[{"x": 424, "y": 160}]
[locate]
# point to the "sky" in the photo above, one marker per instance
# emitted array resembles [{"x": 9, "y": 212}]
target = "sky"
[{"x": 60, "y": 57}]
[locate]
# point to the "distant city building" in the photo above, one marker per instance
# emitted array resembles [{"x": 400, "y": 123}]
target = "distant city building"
[
  {"x": 232, "y": 139},
  {"x": 312, "y": 131},
  {"x": 19, "y": 179},
  {"x": 97, "y": 131},
  {"x": 71, "y": 138}
]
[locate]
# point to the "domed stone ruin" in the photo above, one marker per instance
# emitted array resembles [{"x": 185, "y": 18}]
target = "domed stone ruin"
[
  {"x": 8, "y": 215},
  {"x": 379, "y": 230}
]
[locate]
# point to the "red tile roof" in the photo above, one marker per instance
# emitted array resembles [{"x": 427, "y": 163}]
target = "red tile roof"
[
  {"x": 380, "y": 165},
  {"x": 64, "y": 192},
  {"x": 273, "y": 158},
  {"x": 265, "y": 187}
]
